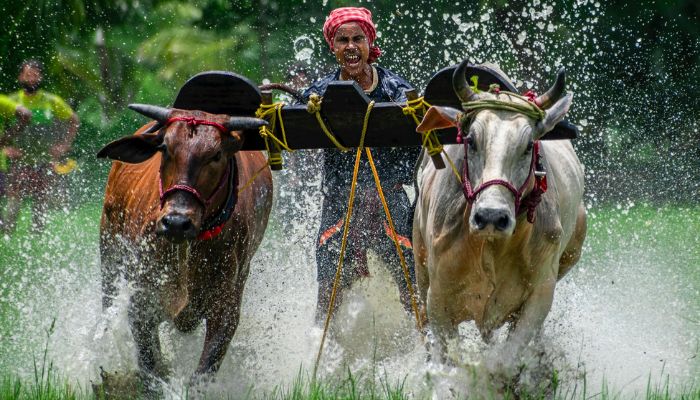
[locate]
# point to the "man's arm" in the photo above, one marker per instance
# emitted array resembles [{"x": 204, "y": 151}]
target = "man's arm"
[
  {"x": 64, "y": 113},
  {"x": 61, "y": 148},
  {"x": 22, "y": 118}
]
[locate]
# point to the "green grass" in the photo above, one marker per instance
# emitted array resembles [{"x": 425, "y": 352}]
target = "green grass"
[{"x": 47, "y": 385}]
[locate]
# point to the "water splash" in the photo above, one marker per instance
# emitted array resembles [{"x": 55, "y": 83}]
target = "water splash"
[{"x": 626, "y": 312}]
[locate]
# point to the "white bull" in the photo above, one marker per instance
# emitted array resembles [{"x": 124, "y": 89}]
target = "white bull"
[{"x": 482, "y": 259}]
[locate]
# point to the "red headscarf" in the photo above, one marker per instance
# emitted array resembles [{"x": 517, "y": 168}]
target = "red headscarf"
[{"x": 363, "y": 17}]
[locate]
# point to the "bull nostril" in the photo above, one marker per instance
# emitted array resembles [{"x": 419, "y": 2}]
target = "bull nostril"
[
  {"x": 165, "y": 222},
  {"x": 502, "y": 223},
  {"x": 479, "y": 221},
  {"x": 495, "y": 217},
  {"x": 187, "y": 226},
  {"x": 177, "y": 224}
]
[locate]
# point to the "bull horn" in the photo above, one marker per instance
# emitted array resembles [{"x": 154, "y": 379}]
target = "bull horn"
[
  {"x": 160, "y": 114},
  {"x": 554, "y": 93},
  {"x": 243, "y": 123},
  {"x": 459, "y": 83}
]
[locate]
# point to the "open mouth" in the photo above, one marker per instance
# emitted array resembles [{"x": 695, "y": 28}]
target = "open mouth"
[{"x": 352, "y": 59}]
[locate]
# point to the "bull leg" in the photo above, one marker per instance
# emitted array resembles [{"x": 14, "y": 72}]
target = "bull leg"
[
  {"x": 188, "y": 319},
  {"x": 221, "y": 324},
  {"x": 441, "y": 325},
  {"x": 420, "y": 255},
  {"x": 532, "y": 316},
  {"x": 572, "y": 253},
  {"x": 144, "y": 323}
]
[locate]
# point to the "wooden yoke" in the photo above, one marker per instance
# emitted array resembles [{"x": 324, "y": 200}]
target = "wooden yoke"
[{"x": 343, "y": 109}]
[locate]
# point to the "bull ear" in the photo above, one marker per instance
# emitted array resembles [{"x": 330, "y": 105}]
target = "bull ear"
[
  {"x": 132, "y": 149},
  {"x": 439, "y": 117},
  {"x": 554, "y": 115}
]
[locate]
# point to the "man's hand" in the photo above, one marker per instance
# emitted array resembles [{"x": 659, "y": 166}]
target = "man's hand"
[
  {"x": 12, "y": 152},
  {"x": 59, "y": 150},
  {"x": 23, "y": 115}
]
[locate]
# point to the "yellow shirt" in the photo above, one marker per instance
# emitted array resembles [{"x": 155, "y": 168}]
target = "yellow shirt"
[
  {"x": 44, "y": 130},
  {"x": 7, "y": 116}
]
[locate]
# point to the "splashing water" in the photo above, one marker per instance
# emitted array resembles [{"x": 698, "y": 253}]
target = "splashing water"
[
  {"x": 627, "y": 312},
  {"x": 623, "y": 315}
]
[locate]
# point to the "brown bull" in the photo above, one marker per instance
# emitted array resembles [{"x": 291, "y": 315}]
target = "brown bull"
[{"x": 176, "y": 226}]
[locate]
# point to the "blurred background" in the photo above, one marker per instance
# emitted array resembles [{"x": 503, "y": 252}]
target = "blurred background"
[{"x": 634, "y": 66}]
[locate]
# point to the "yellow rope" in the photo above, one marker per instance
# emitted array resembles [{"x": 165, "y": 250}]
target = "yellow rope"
[
  {"x": 314, "y": 107},
  {"x": 272, "y": 112},
  {"x": 430, "y": 140},
  {"x": 339, "y": 269},
  {"x": 454, "y": 169},
  {"x": 406, "y": 274},
  {"x": 252, "y": 178}
]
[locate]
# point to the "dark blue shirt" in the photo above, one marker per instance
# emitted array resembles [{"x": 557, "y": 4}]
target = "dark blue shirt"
[{"x": 395, "y": 165}]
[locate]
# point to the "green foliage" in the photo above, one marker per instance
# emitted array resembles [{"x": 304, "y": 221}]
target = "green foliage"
[{"x": 634, "y": 67}]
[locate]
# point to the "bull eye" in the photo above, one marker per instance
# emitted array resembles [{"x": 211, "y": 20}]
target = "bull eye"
[
  {"x": 530, "y": 145},
  {"x": 471, "y": 142},
  {"x": 217, "y": 156},
  {"x": 163, "y": 149}
]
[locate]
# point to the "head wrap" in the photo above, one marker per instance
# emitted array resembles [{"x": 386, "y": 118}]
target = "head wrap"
[{"x": 363, "y": 17}]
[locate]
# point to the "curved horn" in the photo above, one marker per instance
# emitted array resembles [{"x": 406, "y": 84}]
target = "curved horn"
[
  {"x": 160, "y": 114},
  {"x": 459, "y": 83},
  {"x": 243, "y": 123},
  {"x": 554, "y": 93}
]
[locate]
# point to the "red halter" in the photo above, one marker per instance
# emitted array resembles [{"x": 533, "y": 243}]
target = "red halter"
[
  {"x": 529, "y": 202},
  {"x": 192, "y": 122}
]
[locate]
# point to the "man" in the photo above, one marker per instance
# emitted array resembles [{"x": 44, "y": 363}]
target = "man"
[
  {"x": 13, "y": 119},
  {"x": 43, "y": 143},
  {"x": 350, "y": 33}
]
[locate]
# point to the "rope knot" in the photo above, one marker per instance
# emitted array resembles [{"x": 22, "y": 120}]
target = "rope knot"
[
  {"x": 314, "y": 104},
  {"x": 530, "y": 96}
]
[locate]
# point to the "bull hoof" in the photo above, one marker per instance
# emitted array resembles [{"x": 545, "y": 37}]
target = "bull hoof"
[
  {"x": 116, "y": 386},
  {"x": 127, "y": 386}
]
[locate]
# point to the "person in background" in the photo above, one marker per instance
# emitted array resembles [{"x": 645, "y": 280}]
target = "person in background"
[
  {"x": 13, "y": 119},
  {"x": 350, "y": 34},
  {"x": 40, "y": 146}
]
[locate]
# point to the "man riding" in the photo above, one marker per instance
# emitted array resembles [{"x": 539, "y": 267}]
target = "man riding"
[
  {"x": 350, "y": 33},
  {"x": 42, "y": 144}
]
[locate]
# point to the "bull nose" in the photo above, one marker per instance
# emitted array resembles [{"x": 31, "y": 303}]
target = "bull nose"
[
  {"x": 497, "y": 217},
  {"x": 177, "y": 227}
]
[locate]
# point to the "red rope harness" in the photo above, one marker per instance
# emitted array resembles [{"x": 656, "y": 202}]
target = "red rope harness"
[
  {"x": 192, "y": 122},
  {"x": 194, "y": 192},
  {"x": 528, "y": 203}
]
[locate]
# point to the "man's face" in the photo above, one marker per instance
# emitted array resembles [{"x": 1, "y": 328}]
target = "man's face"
[
  {"x": 351, "y": 49},
  {"x": 30, "y": 78}
]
